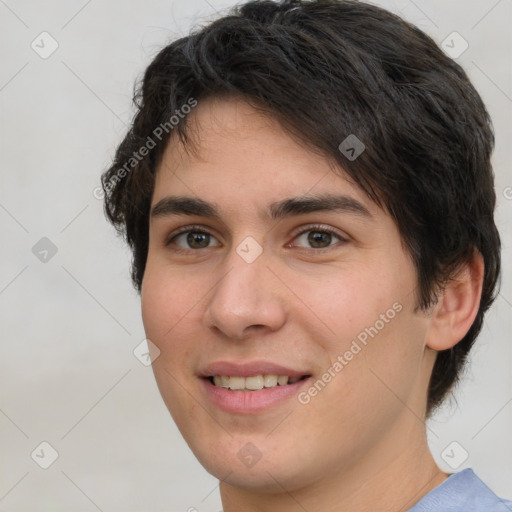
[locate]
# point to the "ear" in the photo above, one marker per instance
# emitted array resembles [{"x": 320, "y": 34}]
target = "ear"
[{"x": 458, "y": 306}]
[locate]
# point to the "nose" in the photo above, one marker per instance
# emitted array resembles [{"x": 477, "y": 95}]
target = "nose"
[{"x": 247, "y": 299}]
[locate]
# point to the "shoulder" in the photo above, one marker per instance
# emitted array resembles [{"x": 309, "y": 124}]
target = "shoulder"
[{"x": 462, "y": 492}]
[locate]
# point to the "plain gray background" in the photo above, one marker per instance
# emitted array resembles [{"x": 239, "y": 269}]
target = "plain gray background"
[{"x": 70, "y": 324}]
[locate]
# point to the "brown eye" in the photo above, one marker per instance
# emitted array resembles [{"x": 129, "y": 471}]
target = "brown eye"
[
  {"x": 193, "y": 240},
  {"x": 317, "y": 238},
  {"x": 198, "y": 240}
]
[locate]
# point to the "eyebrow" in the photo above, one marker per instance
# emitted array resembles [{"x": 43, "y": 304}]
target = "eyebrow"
[{"x": 184, "y": 205}]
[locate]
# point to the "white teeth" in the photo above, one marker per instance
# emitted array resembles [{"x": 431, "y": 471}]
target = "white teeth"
[
  {"x": 270, "y": 381},
  {"x": 236, "y": 382},
  {"x": 221, "y": 381},
  {"x": 282, "y": 380},
  {"x": 254, "y": 382}
]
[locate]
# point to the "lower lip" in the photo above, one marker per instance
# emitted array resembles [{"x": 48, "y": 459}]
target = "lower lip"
[{"x": 248, "y": 402}]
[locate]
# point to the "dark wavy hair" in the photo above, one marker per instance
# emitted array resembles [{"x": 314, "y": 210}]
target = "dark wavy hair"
[{"x": 326, "y": 69}]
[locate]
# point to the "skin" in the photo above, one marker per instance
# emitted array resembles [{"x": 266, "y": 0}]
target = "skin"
[{"x": 360, "y": 443}]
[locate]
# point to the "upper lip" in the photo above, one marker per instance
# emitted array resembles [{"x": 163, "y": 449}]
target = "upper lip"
[{"x": 248, "y": 369}]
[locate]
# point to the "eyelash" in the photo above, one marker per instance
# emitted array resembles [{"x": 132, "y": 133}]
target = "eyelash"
[{"x": 202, "y": 230}]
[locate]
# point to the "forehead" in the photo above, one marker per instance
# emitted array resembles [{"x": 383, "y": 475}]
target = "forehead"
[
  {"x": 243, "y": 154},
  {"x": 229, "y": 128}
]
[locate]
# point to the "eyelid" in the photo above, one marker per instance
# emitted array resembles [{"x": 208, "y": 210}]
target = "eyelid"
[{"x": 311, "y": 227}]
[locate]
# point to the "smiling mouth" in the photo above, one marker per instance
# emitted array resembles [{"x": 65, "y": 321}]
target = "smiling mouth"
[{"x": 254, "y": 382}]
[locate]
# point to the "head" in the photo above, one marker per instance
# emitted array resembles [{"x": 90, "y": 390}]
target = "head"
[{"x": 253, "y": 110}]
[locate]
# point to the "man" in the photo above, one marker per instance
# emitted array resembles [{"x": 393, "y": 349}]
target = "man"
[{"x": 308, "y": 195}]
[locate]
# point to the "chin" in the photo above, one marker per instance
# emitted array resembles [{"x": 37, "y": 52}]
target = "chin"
[{"x": 240, "y": 464}]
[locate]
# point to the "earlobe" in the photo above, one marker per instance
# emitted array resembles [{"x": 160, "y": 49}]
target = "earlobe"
[{"x": 458, "y": 306}]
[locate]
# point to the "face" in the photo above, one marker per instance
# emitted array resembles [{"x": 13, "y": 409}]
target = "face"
[{"x": 266, "y": 262}]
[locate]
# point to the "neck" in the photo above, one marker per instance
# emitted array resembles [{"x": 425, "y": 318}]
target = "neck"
[{"x": 397, "y": 473}]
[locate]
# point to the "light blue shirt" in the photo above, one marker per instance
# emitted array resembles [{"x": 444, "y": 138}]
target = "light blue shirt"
[{"x": 462, "y": 492}]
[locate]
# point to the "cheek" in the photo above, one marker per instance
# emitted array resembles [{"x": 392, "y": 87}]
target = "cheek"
[
  {"x": 350, "y": 302},
  {"x": 166, "y": 301},
  {"x": 155, "y": 307},
  {"x": 166, "y": 314},
  {"x": 369, "y": 323}
]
